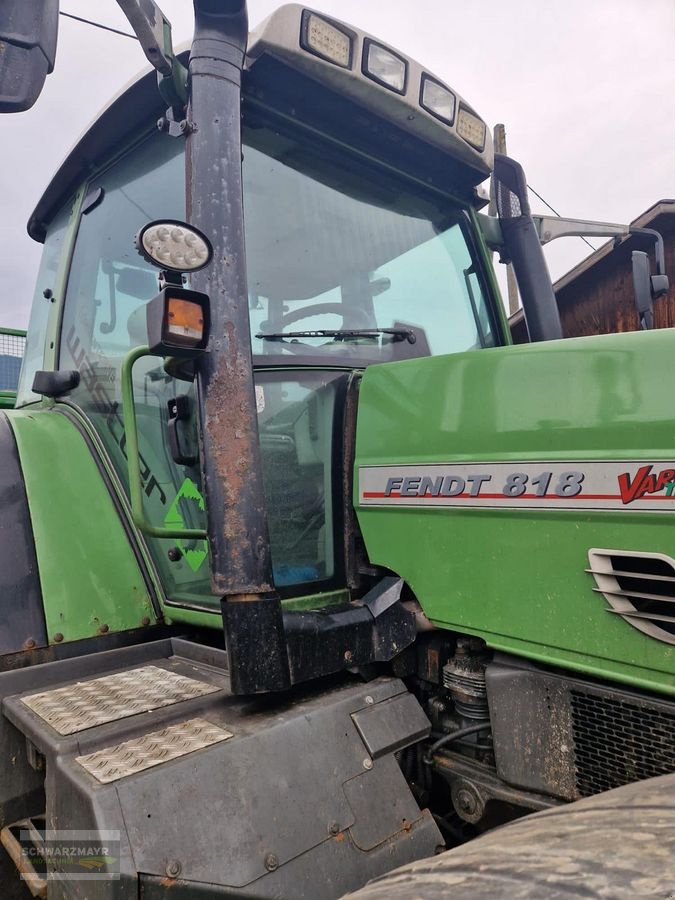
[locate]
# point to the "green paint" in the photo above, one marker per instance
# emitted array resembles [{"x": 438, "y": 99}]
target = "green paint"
[
  {"x": 52, "y": 337},
  {"x": 88, "y": 572},
  {"x": 317, "y": 601},
  {"x": 185, "y": 615},
  {"x": 86, "y": 427},
  {"x": 517, "y": 577},
  {"x": 488, "y": 269},
  {"x": 194, "y": 556}
]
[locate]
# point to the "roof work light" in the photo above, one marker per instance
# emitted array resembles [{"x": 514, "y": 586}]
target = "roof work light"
[
  {"x": 326, "y": 40},
  {"x": 174, "y": 246},
  {"x": 384, "y": 66},
  {"x": 471, "y": 128},
  {"x": 437, "y": 100}
]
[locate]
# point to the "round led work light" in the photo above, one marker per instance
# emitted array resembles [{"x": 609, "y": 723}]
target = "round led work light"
[{"x": 174, "y": 246}]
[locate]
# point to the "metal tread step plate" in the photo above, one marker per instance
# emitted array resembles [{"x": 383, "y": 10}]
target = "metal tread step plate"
[
  {"x": 152, "y": 749},
  {"x": 86, "y": 704}
]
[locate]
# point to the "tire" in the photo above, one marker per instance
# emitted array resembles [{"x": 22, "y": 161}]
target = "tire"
[{"x": 616, "y": 845}]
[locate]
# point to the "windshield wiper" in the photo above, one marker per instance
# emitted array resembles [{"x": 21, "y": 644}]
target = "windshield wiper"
[{"x": 398, "y": 334}]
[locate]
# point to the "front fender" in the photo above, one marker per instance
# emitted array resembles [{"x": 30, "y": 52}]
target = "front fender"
[{"x": 22, "y": 623}]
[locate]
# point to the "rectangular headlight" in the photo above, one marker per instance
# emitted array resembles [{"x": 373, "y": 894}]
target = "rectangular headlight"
[
  {"x": 383, "y": 66},
  {"x": 325, "y": 40},
  {"x": 437, "y": 100},
  {"x": 471, "y": 128}
]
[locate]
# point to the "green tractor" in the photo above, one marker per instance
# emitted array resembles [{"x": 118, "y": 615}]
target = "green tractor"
[{"x": 307, "y": 573}]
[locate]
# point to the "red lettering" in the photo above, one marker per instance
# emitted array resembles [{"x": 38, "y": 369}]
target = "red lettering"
[
  {"x": 635, "y": 488},
  {"x": 644, "y": 482}
]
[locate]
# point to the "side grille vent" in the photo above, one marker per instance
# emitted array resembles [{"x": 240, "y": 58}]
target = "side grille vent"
[
  {"x": 617, "y": 742},
  {"x": 639, "y": 587}
]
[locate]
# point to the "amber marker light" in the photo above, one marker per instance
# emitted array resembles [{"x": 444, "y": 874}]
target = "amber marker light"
[
  {"x": 178, "y": 322},
  {"x": 184, "y": 322}
]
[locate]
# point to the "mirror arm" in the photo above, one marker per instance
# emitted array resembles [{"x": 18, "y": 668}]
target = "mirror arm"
[
  {"x": 549, "y": 228},
  {"x": 659, "y": 251},
  {"x": 153, "y": 30}
]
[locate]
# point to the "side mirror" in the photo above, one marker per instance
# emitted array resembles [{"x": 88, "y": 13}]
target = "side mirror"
[
  {"x": 28, "y": 34},
  {"x": 643, "y": 289},
  {"x": 648, "y": 287}
]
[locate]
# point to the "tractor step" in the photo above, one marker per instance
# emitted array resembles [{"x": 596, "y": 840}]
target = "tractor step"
[
  {"x": 27, "y": 835},
  {"x": 151, "y": 749},
  {"x": 87, "y": 704},
  {"x": 146, "y": 749}
]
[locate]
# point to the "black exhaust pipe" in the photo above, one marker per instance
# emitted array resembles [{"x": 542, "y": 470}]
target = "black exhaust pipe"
[
  {"x": 524, "y": 251},
  {"x": 241, "y": 565}
]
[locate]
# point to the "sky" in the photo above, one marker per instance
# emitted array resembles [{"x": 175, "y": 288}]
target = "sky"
[{"x": 585, "y": 88}]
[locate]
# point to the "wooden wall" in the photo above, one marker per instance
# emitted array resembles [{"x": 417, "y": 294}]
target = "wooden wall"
[{"x": 600, "y": 300}]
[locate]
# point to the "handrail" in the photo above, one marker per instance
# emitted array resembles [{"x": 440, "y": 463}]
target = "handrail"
[{"x": 132, "y": 454}]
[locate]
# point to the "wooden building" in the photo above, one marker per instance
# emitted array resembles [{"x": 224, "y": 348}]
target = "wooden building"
[{"x": 596, "y": 296}]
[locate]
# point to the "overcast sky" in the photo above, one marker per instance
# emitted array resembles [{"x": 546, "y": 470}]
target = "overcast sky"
[{"x": 586, "y": 89}]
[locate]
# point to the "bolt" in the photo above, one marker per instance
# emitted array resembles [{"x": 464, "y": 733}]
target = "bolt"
[
  {"x": 185, "y": 127},
  {"x": 466, "y": 801},
  {"x": 173, "y": 868},
  {"x": 58, "y": 637},
  {"x": 369, "y": 699},
  {"x": 333, "y": 828},
  {"x": 367, "y": 763},
  {"x": 348, "y": 655},
  {"x": 174, "y": 554},
  {"x": 145, "y": 620},
  {"x": 48, "y": 293},
  {"x": 29, "y": 644},
  {"x": 104, "y": 629},
  {"x": 163, "y": 124},
  {"x": 271, "y": 862}
]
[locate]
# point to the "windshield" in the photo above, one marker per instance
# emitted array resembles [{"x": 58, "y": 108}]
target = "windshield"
[
  {"x": 346, "y": 266},
  {"x": 341, "y": 262}
]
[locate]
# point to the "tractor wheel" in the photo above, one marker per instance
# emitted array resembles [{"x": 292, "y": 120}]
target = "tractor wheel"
[{"x": 618, "y": 845}]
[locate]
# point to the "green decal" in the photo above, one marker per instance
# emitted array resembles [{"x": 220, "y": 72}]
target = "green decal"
[{"x": 195, "y": 552}]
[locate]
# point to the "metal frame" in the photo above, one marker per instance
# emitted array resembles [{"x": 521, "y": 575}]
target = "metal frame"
[{"x": 134, "y": 468}]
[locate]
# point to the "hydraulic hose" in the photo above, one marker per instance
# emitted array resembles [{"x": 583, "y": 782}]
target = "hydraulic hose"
[{"x": 450, "y": 738}]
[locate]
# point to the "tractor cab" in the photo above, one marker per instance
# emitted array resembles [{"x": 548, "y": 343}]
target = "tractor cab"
[{"x": 353, "y": 258}]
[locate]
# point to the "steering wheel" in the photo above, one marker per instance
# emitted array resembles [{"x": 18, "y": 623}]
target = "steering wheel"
[{"x": 324, "y": 309}]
